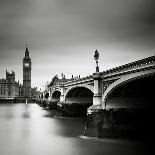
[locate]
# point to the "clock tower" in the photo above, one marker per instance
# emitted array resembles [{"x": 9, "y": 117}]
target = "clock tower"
[{"x": 27, "y": 75}]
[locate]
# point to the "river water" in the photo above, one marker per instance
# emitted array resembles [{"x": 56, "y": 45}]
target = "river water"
[{"x": 36, "y": 131}]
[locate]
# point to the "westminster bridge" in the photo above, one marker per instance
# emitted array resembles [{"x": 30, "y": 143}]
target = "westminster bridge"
[{"x": 129, "y": 86}]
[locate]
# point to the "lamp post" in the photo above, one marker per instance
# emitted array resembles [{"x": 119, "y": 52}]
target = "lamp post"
[{"x": 96, "y": 57}]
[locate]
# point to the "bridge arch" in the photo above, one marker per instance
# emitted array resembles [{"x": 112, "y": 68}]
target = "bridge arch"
[
  {"x": 79, "y": 98},
  {"x": 123, "y": 81},
  {"x": 56, "y": 96},
  {"x": 46, "y": 95},
  {"x": 73, "y": 91}
]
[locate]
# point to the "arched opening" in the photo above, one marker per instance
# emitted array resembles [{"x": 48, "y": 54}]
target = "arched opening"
[
  {"x": 137, "y": 93},
  {"x": 130, "y": 108},
  {"x": 56, "y": 96},
  {"x": 77, "y": 100},
  {"x": 46, "y": 95}
]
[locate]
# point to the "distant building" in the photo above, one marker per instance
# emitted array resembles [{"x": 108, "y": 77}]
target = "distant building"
[
  {"x": 9, "y": 88},
  {"x": 20, "y": 91},
  {"x": 57, "y": 81}
]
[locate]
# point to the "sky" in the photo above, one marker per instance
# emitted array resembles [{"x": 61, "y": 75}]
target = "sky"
[{"x": 62, "y": 35}]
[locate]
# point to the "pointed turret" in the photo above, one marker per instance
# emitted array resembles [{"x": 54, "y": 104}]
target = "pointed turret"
[{"x": 26, "y": 52}]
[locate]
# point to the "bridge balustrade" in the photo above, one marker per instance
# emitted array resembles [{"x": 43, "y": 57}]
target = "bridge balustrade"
[
  {"x": 132, "y": 65},
  {"x": 79, "y": 80}
]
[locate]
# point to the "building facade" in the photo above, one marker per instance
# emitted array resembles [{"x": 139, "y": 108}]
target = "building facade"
[{"x": 9, "y": 88}]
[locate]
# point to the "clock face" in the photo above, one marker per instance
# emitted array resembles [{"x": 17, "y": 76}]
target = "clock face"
[{"x": 26, "y": 65}]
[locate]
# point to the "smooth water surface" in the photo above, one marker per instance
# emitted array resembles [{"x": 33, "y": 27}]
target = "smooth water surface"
[{"x": 36, "y": 131}]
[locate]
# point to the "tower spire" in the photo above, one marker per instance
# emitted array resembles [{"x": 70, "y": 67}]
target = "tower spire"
[{"x": 26, "y": 51}]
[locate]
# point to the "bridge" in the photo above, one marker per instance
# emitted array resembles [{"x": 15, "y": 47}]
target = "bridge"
[
  {"x": 134, "y": 80},
  {"x": 96, "y": 88}
]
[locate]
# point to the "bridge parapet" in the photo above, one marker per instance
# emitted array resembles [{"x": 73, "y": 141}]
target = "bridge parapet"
[
  {"x": 143, "y": 63},
  {"x": 79, "y": 80},
  {"x": 55, "y": 88}
]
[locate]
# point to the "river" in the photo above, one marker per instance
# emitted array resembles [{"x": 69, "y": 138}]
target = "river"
[{"x": 36, "y": 131}]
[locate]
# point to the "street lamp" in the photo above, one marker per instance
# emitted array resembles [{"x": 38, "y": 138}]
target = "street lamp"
[{"x": 96, "y": 57}]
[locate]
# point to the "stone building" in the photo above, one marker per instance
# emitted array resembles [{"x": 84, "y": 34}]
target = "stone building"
[
  {"x": 56, "y": 81},
  {"x": 9, "y": 88},
  {"x": 20, "y": 90}
]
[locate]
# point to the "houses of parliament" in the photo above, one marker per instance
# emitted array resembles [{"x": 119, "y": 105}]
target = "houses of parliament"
[{"x": 10, "y": 89}]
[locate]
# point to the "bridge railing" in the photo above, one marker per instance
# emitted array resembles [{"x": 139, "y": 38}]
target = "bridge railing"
[
  {"x": 79, "y": 80},
  {"x": 132, "y": 65}
]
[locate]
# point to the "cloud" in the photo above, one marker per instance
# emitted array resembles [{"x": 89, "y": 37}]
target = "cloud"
[{"x": 68, "y": 31}]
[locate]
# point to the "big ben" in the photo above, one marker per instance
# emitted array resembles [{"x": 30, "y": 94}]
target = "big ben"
[{"x": 27, "y": 75}]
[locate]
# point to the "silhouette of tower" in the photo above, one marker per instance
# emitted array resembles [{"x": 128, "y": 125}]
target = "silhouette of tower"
[{"x": 27, "y": 74}]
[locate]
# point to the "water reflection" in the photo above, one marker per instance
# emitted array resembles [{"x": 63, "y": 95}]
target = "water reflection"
[
  {"x": 34, "y": 131},
  {"x": 26, "y": 115}
]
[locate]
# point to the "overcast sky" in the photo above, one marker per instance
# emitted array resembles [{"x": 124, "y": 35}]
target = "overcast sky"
[{"x": 62, "y": 35}]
